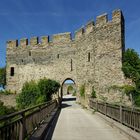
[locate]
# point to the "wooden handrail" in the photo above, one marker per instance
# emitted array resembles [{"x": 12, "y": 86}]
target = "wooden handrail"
[
  {"x": 129, "y": 116},
  {"x": 21, "y": 124}
]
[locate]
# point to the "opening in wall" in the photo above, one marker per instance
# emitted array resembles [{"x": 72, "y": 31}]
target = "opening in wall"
[
  {"x": 89, "y": 57},
  {"x": 12, "y": 71},
  {"x": 71, "y": 65},
  {"x": 30, "y": 53},
  {"x": 58, "y": 56}
]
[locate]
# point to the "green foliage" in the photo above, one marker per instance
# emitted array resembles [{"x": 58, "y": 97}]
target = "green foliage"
[
  {"x": 115, "y": 87},
  {"x": 93, "y": 93},
  {"x": 131, "y": 69},
  {"x": 128, "y": 89},
  {"x": 34, "y": 93},
  {"x": 74, "y": 93},
  {"x": 70, "y": 88},
  {"x": 28, "y": 96},
  {"x": 6, "y": 92},
  {"x": 82, "y": 91},
  {"x": 47, "y": 87},
  {"x": 5, "y": 110},
  {"x": 104, "y": 99},
  {"x": 3, "y": 77},
  {"x": 131, "y": 65},
  {"x": 137, "y": 101}
]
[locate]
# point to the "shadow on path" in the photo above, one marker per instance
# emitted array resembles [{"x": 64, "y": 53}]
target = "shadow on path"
[
  {"x": 54, "y": 123},
  {"x": 69, "y": 99}
]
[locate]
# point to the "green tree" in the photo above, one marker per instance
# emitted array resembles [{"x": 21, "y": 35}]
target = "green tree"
[
  {"x": 47, "y": 87},
  {"x": 131, "y": 69},
  {"x": 3, "y": 76},
  {"x": 131, "y": 65}
]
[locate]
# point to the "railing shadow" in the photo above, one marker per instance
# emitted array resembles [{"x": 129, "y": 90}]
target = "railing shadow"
[
  {"x": 52, "y": 127},
  {"x": 63, "y": 105},
  {"x": 50, "y": 132}
]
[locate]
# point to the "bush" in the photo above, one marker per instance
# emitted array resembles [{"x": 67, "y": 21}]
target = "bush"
[
  {"x": 82, "y": 91},
  {"x": 28, "y": 96},
  {"x": 47, "y": 87},
  {"x": 5, "y": 110},
  {"x": 34, "y": 93}
]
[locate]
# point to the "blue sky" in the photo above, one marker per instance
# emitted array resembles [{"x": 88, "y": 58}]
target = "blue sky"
[{"x": 27, "y": 18}]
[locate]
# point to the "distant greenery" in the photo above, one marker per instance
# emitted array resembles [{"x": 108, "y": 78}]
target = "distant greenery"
[
  {"x": 3, "y": 77},
  {"x": 6, "y": 92},
  {"x": 70, "y": 88},
  {"x": 82, "y": 91},
  {"x": 93, "y": 94},
  {"x": 36, "y": 92},
  {"x": 74, "y": 93},
  {"x": 131, "y": 69}
]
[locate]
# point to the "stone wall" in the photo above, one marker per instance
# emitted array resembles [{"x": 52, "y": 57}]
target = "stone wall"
[
  {"x": 8, "y": 100},
  {"x": 93, "y": 57}
]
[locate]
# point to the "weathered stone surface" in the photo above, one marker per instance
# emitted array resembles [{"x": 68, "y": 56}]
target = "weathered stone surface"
[
  {"x": 8, "y": 100},
  {"x": 93, "y": 57}
]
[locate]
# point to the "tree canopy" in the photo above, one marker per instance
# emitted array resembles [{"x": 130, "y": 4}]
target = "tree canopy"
[
  {"x": 3, "y": 77},
  {"x": 131, "y": 69}
]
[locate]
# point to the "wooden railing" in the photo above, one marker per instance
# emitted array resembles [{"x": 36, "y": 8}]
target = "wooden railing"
[
  {"x": 125, "y": 115},
  {"x": 22, "y": 124}
]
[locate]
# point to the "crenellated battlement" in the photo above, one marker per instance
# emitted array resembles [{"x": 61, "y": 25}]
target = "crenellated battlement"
[
  {"x": 91, "y": 56},
  {"x": 65, "y": 38},
  {"x": 62, "y": 38},
  {"x": 89, "y": 27},
  {"x": 101, "y": 20},
  {"x": 79, "y": 33}
]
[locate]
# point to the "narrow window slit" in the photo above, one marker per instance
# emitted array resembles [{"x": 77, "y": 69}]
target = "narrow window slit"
[
  {"x": 71, "y": 65},
  {"x": 88, "y": 57},
  {"x": 12, "y": 71},
  {"x": 30, "y": 53}
]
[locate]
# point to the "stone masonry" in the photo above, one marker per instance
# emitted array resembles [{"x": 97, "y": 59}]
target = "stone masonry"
[{"x": 93, "y": 57}]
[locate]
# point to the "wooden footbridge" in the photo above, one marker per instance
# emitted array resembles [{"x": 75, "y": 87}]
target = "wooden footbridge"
[{"x": 69, "y": 121}]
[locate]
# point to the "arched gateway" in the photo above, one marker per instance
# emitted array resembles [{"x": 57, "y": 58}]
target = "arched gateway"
[
  {"x": 93, "y": 57},
  {"x": 68, "y": 82}
]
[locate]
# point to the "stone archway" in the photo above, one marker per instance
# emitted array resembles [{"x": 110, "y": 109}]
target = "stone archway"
[{"x": 65, "y": 84}]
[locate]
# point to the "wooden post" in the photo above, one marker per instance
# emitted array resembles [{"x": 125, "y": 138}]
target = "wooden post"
[
  {"x": 120, "y": 113},
  {"x": 23, "y": 128},
  {"x": 105, "y": 108},
  {"x": 96, "y": 105}
]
